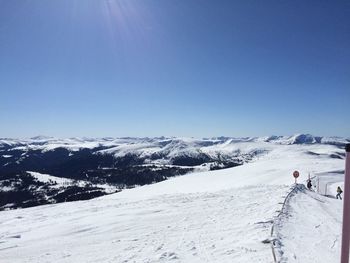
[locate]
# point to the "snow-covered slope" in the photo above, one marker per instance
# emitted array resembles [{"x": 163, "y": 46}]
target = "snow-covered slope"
[
  {"x": 59, "y": 182},
  {"x": 309, "y": 230},
  {"x": 216, "y": 216}
]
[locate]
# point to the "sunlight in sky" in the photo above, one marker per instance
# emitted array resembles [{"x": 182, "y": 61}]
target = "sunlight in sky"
[
  {"x": 124, "y": 20},
  {"x": 155, "y": 67}
]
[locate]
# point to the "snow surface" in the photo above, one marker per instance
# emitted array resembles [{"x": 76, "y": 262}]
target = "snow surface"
[
  {"x": 46, "y": 178},
  {"x": 218, "y": 216},
  {"x": 310, "y": 231},
  {"x": 327, "y": 183}
]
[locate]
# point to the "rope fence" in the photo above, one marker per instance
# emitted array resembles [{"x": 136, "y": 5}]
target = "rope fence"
[{"x": 274, "y": 241}]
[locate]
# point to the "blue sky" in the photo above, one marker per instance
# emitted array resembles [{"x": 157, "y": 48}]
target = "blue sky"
[{"x": 176, "y": 68}]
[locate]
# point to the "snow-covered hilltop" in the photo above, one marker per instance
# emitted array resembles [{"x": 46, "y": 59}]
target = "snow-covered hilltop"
[{"x": 210, "y": 216}]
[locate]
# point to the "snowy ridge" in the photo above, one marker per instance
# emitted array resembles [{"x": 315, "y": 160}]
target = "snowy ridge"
[
  {"x": 172, "y": 143},
  {"x": 306, "y": 139},
  {"x": 164, "y": 150}
]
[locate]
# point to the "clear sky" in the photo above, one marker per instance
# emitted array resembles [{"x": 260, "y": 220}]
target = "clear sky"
[{"x": 174, "y": 67}]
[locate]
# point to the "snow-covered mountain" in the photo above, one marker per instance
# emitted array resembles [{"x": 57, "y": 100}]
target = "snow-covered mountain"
[
  {"x": 157, "y": 151},
  {"x": 211, "y": 216},
  {"x": 46, "y": 143},
  {"x": 119, "y": 163}
]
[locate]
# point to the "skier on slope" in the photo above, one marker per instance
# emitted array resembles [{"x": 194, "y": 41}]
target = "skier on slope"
[
  {"x": 309, "y": 184},
  {"x": 339, "y": 192}
]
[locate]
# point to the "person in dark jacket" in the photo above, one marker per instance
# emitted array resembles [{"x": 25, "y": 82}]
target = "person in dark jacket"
[
  {"x": 339, "y": 192},
  {"x": 309, "y": 184}
]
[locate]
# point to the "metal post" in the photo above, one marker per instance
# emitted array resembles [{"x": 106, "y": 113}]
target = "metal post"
[{"x": 346, "y": 210}]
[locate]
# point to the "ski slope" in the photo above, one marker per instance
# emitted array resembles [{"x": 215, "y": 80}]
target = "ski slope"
[
  {"x": 218, "y": 216},
  {"x": 310, "y": 230}
]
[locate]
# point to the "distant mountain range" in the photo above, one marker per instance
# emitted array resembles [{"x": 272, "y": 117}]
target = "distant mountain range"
[{"x": 92, "y": 165}]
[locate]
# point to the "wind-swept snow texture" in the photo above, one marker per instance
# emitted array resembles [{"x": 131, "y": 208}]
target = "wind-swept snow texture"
[
  {"x": 218, "y": 216},
  {"x": 309, "y": 230}
]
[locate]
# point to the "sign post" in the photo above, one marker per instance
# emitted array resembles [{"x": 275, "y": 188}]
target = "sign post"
[
  {"x": 346, "y": 210},
  {"x": 296, "y": 175}
]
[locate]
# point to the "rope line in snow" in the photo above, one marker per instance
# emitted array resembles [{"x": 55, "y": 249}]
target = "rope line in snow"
[{"x": 273, "y": 240}]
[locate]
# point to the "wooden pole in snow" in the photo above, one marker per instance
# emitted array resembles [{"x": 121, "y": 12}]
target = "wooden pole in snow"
[{"x": 346, "y": 210}]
